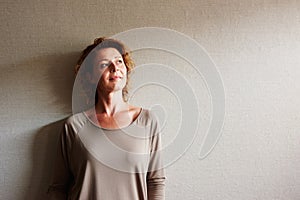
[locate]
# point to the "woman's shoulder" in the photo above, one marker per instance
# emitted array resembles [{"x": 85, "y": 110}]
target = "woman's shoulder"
[
  {"x": 76, "y": 120},
  {"x": 74, "y": 117},
  {"x": 146, "y": 117}
]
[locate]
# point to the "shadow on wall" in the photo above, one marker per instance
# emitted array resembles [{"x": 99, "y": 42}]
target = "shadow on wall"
[
  {"x": 61, "y": 76},
  {"x": 43, "y": 156},
  {"x": 41, "y": 85},
  {"x": 56, "y": 77}
]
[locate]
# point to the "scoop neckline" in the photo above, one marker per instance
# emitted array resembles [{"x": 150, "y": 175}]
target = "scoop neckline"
[{"x": 114, "y": 129}]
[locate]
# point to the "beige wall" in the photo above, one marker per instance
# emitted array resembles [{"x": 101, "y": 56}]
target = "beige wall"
[{"x": 255, "y": 45}]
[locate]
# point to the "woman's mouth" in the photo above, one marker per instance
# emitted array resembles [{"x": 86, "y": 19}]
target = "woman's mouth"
[{"x": 115, "y": 78}]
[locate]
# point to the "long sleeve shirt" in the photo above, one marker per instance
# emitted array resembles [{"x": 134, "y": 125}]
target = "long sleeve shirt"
[{"x": 108, "y": 164}]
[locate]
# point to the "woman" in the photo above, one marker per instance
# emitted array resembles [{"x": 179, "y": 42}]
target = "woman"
[{"x": 109, "y": 151}]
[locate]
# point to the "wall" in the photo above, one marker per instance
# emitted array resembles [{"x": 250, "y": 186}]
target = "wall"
[{"x": 255, "y": 45}]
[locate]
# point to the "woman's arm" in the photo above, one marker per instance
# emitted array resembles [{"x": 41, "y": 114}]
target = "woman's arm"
[
  {"x": 61, "y": 176},
  {"x": 156, "y": 185},
  {"x": 156, "y": 174}
]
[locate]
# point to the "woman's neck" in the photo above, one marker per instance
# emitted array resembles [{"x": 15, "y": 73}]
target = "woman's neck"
[{"x": 110, "y": 104}]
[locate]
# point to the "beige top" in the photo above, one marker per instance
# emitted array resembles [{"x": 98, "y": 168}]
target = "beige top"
[{"x": 108, "y": 164}]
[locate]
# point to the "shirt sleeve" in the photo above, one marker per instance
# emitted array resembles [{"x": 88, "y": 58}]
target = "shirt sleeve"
[
  {"x": 61, "y": 176},
  {"x": 156, "y": 173}
]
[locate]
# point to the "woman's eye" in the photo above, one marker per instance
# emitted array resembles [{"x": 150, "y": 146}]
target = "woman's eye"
[{"x": 103, "y": 65}]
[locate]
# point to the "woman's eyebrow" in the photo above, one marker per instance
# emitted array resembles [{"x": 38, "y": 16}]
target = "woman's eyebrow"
[{"x": 106, "y": 59}]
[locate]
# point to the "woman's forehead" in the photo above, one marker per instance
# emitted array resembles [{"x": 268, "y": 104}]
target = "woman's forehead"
[{"x": 107, "y": 54}]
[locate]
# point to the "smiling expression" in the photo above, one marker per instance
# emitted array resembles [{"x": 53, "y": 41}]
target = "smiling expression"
[{"x": 109, "y": 64}]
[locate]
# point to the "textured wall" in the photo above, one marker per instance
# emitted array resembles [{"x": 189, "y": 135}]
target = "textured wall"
[{"x": 255, "y": 44}]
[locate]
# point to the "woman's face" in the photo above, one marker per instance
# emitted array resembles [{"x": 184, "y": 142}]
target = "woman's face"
[{"x": 109, "y": 64}]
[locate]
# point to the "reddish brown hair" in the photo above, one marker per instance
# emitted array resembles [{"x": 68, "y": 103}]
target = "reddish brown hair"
[{"x": 87, "y": 57}]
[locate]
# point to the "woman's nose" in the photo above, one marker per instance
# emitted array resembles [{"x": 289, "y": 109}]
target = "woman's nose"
[{"x": 113, "y": 67}]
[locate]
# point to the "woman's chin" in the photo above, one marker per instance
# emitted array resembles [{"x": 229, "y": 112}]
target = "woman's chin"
[{"x": 115, "y": 88}]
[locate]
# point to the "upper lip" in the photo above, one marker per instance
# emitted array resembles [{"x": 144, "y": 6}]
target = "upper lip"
[{"x": 115, "y": 77}]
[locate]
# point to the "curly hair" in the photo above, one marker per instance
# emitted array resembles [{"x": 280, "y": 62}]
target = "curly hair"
[{"x": 86, "y": 61}]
